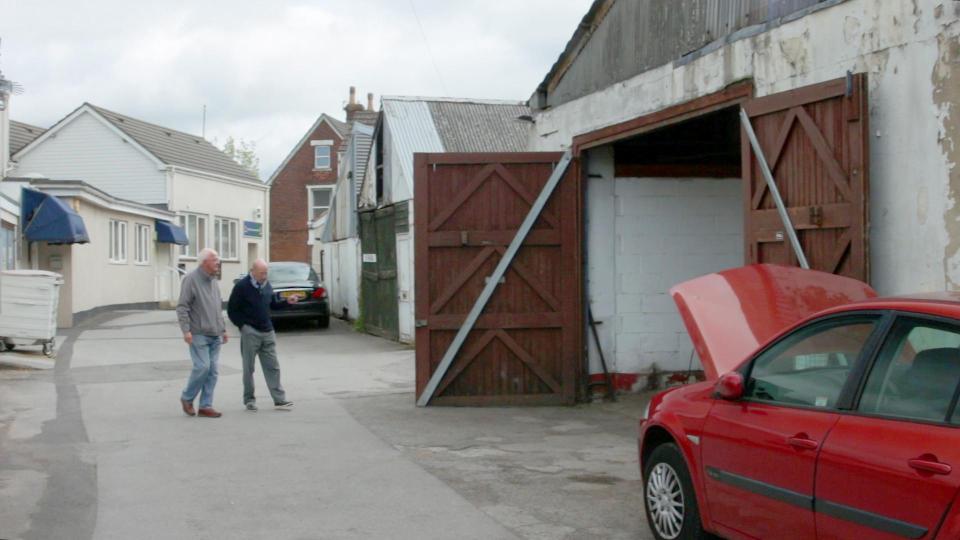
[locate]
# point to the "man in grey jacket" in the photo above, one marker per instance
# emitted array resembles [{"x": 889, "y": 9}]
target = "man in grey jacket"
[{"x": 200, "y": 313}]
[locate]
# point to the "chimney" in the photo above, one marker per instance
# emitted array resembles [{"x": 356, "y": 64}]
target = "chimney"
[
  {"x": 353, "y": 107},
  {"x": 370, "y": 101}
]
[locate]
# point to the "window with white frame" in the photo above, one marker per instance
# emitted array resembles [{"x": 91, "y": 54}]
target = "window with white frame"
[
  {"x": 141, "y": 251},
  {"x": 118, "y": 241},
  {"x": 319, "y": 200},
  {"x": 225, "y": 237},
  {"x": 321, "y": 156},
  {"x": 196, "y": 229}
]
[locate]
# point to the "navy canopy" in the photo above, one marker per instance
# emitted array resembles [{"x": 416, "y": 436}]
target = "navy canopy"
[
  {"x": 168, "y": 233},
  {"x": 45, "y": 218}
]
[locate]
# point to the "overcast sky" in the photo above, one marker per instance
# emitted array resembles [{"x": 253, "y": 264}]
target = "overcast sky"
[{"x": 267, "y": 69}]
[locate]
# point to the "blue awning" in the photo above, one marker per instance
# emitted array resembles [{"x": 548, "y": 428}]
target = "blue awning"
[
  {"x": 168, "y": 233},
  {"x": 45, "y": 218}
]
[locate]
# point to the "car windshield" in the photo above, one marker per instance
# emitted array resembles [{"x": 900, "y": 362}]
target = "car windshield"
[{"x": 280, "y": 273}]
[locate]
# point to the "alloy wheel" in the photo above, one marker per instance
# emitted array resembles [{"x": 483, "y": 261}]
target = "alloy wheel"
[{"x": 665, "y": 501}]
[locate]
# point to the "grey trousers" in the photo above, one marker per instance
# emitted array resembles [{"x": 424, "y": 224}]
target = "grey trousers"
[{"x": 254, "y": 343}]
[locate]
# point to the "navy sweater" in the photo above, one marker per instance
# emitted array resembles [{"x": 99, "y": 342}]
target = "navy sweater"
[{"x": 248, "y": 305}]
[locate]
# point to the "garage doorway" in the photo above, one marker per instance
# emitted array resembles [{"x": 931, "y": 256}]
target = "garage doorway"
[{"x": 678, "y": 193}]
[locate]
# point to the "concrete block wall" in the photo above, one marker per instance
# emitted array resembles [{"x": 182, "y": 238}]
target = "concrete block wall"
[{"x": 667, "y": 231}]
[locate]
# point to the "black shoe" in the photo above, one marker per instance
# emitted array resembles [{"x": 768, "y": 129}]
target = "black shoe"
[{"x": 284, "y": 405}]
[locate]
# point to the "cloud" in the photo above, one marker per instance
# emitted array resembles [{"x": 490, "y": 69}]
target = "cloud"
[{"x": 266, "y": 70}]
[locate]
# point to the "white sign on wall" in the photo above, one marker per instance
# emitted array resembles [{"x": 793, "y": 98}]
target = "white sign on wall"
[{"x": 369, "y": 257}]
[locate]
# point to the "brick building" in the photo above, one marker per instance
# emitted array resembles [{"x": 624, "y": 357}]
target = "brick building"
[{"x": 302, "y": 187}]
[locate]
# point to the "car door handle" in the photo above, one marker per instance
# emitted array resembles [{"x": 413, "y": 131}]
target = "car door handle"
[
  {"x": 930, "y": 466},
  {"x": 803, "y": 443}
]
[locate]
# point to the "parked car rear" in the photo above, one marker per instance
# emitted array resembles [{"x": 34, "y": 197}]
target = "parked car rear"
[{"x": 298, "y": 279}]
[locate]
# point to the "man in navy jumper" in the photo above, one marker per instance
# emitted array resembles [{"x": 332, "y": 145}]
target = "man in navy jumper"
[{"x": 249, "y": 309}]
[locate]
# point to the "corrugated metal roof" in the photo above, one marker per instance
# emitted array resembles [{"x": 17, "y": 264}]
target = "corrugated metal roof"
[
  {"x": 481, "y": 126},
  {"x": 412, "y": 130},
  {"x": 177, "y": 148},
  {"x": 22, "y": 134}
]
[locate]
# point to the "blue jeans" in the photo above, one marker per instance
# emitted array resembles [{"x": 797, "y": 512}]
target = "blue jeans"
[{"x": 205, "y": 352}]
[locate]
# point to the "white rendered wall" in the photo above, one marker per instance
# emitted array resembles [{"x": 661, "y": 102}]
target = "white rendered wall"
[
  {"x": 212, "y": 198},
  {"x": 343, "y": 276},
  {"x": 909, "y": 51}
]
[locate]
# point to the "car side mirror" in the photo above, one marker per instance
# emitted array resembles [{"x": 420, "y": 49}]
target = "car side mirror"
[{"x": 730, "y": 386}]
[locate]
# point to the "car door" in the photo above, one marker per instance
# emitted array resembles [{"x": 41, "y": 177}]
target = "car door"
[
  {"x": 759, "y": 453},
  {"x": 891, "y": 468}
]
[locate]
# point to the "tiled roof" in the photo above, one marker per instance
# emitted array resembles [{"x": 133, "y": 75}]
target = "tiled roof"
[
  {"x": 178, "y": 148},
  {"x": 22, "y": 134}
]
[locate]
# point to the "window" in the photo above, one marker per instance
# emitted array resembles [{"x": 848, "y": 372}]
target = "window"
[
  {"x": 321, "y": 157},
  {"x": 319, "y": 201},
  {"x": 141, "y": 252},
  {"x": 118, "y": 241},
  {"x": 8, "y": 247},
  {"x": 810, "y": 367},
  {"x": 225, "y": 238},
  {"x": 916, "y": 373},
  {"x": 196, "y": 228}
]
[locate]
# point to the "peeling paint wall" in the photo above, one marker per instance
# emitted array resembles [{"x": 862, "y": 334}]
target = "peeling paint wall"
[{"x": 910, "y": 51}]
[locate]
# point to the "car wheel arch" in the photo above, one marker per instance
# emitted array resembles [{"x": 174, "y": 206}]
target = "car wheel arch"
[{"x": 658, "y": 434}]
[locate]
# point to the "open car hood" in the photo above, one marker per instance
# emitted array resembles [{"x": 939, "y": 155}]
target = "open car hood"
[{"x": 731, "y": 314}]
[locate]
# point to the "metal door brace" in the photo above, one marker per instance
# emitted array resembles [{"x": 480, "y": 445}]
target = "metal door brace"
[
  {"x": 494, "y": 279},
  {"x": 768, "y": 176}
]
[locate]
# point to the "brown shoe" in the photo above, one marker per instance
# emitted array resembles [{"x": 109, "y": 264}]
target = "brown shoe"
[
  {"x": 209, "y": 412},
  {"x": 188, "y": 407}
]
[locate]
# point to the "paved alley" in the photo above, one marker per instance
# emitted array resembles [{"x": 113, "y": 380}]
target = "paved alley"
[{"x": 97, "y": 447}]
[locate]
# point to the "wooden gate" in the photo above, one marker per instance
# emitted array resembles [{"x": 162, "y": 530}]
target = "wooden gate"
[
  {"x": 378, "y": 294},
  {"x": 815, "y": 142},
  {"x": 526, "y": 345}
]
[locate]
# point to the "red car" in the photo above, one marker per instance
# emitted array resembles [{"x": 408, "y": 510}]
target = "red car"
[{"x": 828, "y": 413}]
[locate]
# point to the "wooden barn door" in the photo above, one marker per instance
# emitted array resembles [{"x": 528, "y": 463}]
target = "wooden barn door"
[
  {"x": 815, "y": 142},
  {"x": 379, "y": 275},
  {"x": 526, "y": 345}
]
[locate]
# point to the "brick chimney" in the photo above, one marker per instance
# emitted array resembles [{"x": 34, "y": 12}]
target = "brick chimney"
[
  {"x": 353, "y": 107},
  {"x": 370, "y": 101}
]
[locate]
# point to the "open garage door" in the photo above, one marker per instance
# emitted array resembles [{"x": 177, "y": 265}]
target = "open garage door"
[
  {"x": 815, "y": 142},
  {"x": 525, "y": 347}
]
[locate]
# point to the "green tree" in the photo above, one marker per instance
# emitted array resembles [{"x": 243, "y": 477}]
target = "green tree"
[{"x": 243, "y": 152}]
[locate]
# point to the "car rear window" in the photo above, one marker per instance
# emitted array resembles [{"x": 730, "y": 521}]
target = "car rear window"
[
  {"x": 916, "y": 373},
  {"x": 289, "y": 272}
]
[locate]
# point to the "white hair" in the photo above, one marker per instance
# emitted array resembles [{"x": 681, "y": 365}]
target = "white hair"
[{"x": 206, "y": 253}]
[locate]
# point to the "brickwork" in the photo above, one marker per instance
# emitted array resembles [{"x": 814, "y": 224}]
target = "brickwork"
[{"x": 289, "y": 217}]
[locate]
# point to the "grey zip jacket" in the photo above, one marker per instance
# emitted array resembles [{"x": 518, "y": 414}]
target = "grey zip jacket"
[{"x": 200, "y": 309}]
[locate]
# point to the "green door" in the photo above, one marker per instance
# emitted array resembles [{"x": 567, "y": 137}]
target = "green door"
[{"x": 378, "y": 238}]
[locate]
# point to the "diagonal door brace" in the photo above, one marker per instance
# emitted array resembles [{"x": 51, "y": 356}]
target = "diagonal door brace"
[
  {"x": 494, "y": 280},
  {"x": 768, "y": 176}
]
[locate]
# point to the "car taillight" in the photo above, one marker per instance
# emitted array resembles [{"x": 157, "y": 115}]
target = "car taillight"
[{"x": 319, "y": 293}]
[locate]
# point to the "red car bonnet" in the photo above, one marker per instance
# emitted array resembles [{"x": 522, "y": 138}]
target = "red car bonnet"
[{"x": 730, "y": 314}]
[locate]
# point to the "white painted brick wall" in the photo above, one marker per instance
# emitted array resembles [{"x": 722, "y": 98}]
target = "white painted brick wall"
[{"x": 667, "y": 231}]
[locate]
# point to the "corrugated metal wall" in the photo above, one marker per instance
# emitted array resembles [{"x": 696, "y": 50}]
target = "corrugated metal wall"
[{"x": 638, "y": 35}]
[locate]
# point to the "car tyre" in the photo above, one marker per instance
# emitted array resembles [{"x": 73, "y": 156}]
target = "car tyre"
[
  {"x": 324, "y": 322},
  {"x": 668, "y": 498}
]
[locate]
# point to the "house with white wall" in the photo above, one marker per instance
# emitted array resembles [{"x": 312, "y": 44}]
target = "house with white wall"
[
  {"x": 219, "y": 203},
  {"x": 115, "y": 254},
  {"x": 854, "y": 106},
  {"x": 409, "y": 125}
]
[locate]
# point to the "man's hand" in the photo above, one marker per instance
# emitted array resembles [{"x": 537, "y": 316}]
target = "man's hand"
[
  {"x": 225, "y": 338},
  {"x": 293, "y": 299},
  {"x": 188, "y": 337}
]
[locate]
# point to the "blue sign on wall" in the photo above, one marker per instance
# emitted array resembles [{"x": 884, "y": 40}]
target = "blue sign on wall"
[{"x": 252, "y": 229}]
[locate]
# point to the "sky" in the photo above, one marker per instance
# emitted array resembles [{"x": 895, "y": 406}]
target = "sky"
[{"x": 267, "y": 69}]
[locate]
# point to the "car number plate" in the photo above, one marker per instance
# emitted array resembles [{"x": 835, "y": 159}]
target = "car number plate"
[{"x": 300, "y": 295}]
